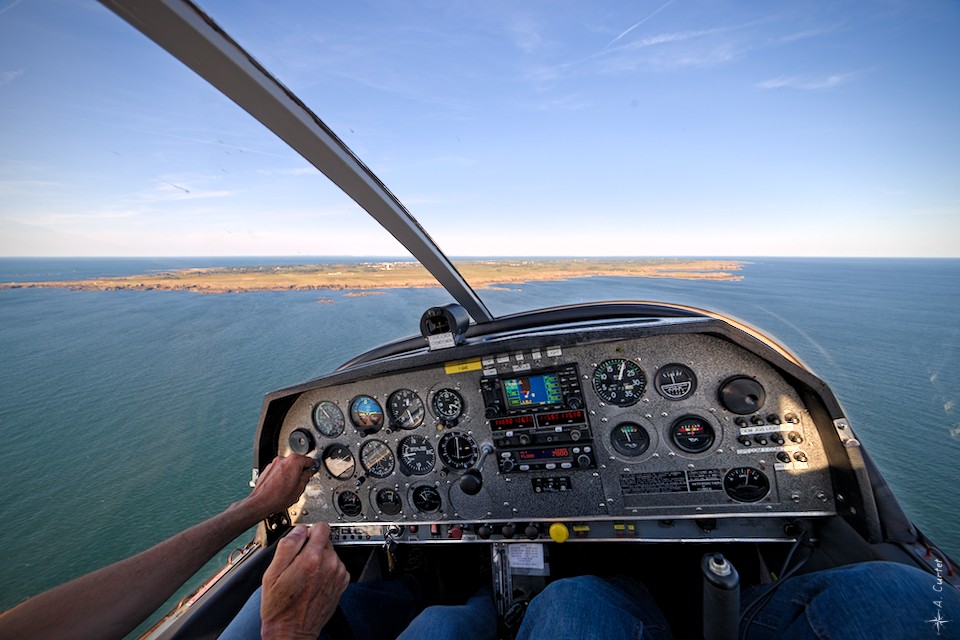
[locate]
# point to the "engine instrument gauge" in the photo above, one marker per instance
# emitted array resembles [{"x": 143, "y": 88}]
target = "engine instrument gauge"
[
  {"x": 328, "y": 419},
  {"x": 675, "y": 381},
  {"x": 458, "y": 450},
  {"x": 746, "y": 484},
  {"x": 692, "y": 434},
  {"x": 405, "y": 409},
  {"x": 366, "y": 414},
  {"x": 349, "y": 504},
  {"x": 447, "y": 406},
  {"x": 417, "y": 456},
  {"x": 630, "y": 439},
  {"x": 389, "y": 502},
  {"x": 426, "y": 498},
  {"x": 377, "y": 459},
  {"x": 338, "y": 461},
  {"x": 619, "y": 381}
]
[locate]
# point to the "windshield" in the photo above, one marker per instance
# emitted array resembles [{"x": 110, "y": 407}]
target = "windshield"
[{"x": 791, "y": 165}]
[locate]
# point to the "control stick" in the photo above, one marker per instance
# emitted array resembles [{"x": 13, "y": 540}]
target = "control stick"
[
  {"x": 471, "y": 481},
  {"x": 721, "y": 598}
]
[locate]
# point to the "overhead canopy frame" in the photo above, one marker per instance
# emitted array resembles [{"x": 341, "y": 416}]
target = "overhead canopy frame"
[{"x": 188, "y": 34}]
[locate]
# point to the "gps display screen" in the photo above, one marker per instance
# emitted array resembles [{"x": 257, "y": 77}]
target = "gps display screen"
[{"x": 541, "y": 389}]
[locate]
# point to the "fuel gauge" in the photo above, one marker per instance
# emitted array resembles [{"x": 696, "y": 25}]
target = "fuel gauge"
[{"x": 630, "y": 439}]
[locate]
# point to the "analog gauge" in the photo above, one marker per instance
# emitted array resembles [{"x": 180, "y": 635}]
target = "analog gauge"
[
  {"x": 447, "y": 406},
  {"x": 328, "y": 419},
  {"x": 426, "y": 498},
  {"x": 692, "y": 434},
  {"x": 630, "y": 439},
  {"x": 458, "y": 450},
  {"x": 377, "y": 459},
  {"x": 619, "y": 381},
  {"x": 746, "y": 484},
  {"x": 676, "y": 382},
  {"x": 349, "y": 504},
  {"x": 389, "y": 502},
  {"x": 301, "y": 441},
  {"x": 406, "y": 409},
  {"x": 338, "y": 461},
  {"x": 366, "y": 415},
  {"x": 416, "y": 455}
]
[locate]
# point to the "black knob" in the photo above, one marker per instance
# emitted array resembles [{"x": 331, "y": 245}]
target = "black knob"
[
  {"x": 744, "y": 440},
  {"x": 742, "y": 422},
  {"x": 760, "y": 440},
  {"x": 524, "y": 439},
  {"x": 742, "y": 395},
  {"x": 575, "y": 402},
  {"x": 508, "y": 530},
  {"x": 784, "y": 457},
  {"x": 757, "y": 420},
  {"x": 777, "y": 438},
  {"x": 773, "y": 418},
  {"x": 792, "y": 418},
  {"x": 484, "y": 532},
  {"x": 492, "y": 410},
  {"x": 532, "y": 532},
  {"x": 583, "y": 460},
  {"x": 507, "y": 465},
  {"x": 471, "y": 482},
  {"x": 301, "y": 441}
]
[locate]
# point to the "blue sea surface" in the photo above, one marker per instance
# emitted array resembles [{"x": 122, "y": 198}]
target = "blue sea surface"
[{"x": 128, "y": 415}]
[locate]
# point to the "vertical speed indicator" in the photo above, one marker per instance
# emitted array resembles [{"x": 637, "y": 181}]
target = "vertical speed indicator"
[{"x": 619, "y": 381}]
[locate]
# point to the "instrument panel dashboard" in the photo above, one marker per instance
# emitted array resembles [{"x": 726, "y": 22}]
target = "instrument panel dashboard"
[{"x": 606, "y": 435}]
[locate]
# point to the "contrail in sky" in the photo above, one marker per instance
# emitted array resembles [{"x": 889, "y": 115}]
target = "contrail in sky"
[{"x": 658, "y": 10}]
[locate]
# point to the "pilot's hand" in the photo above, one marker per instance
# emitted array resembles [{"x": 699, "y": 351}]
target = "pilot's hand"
[
  {"x": 280, "y": 484},
  {"x": 302, "y": 586}
]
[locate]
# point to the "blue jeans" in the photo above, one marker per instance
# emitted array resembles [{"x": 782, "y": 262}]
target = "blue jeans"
[{"x": 870, "y": 600}]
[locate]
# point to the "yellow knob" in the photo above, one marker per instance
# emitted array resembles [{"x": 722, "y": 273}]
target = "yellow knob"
[{"x": 559, "y": 532}]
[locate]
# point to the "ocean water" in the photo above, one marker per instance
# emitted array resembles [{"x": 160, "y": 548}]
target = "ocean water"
[{"x": 127, "y": 416}]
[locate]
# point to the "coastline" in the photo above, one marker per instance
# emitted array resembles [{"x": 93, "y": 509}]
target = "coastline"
[{"x": 481, "y": 274}]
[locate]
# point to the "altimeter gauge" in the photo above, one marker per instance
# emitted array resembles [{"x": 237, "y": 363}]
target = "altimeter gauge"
[
  {"x": 406, "y": 409},
  {"x": 619, "y": 381}
]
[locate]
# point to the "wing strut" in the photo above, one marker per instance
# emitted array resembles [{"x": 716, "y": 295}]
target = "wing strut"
[{"x": 186, "y": 32}]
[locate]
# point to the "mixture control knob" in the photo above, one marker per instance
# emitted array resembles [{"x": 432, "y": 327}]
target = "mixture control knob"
[
  {"x": 532, "y": 531},
  {"x": 508, "y": 530},
  {"x": 583, "y": 461},
  {"x": 484, "y": 532}
]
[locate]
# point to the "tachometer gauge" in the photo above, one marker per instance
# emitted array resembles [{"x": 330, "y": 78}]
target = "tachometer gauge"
[
  {"x": 389, "y": 502},
  {"x": 377, "y": 459},
  {"x": 630, "y": 439},
  {"x": 675, "y": 381},
  {"x": 746, "y": 484},
  {"x": 366, "y": 414},
  {"x": 349, "y": 504},
  {"x": 338, "y": 461},
  {"x": 426, "y": 498},
  {"x": 619, "y": 381},
  {"x": 406, "y": 409},
  {"x": 417, "y": 456},
  {"x": 328, "y": 419},
  {"x": 447, "y": 406},
  {"x": 692, "y": 434},
  {"x": 458, "y": 450}
]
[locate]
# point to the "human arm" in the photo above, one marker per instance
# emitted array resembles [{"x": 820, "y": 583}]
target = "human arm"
[
  {"x": 112, "y": 601},
  {"x": 302, "y": 586}
]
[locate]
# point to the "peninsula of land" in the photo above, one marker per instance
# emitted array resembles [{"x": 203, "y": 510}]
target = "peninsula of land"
[{"x": 366, "y": 276}]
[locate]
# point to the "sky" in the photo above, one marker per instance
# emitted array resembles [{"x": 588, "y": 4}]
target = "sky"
[{"x": 646, "y": 128}]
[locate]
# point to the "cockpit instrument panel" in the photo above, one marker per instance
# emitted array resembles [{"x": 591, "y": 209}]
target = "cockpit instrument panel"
[{"x": 673, "y": 435}]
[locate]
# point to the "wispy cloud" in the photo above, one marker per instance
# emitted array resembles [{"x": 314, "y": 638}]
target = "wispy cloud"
[
  {"x": 9, "y": 6},
  {"x": 6, "y": 77},
  {"x": 295, "y": 171},
  {"x": 637, "y": 24},
  {"x": 808, "y": 83}
]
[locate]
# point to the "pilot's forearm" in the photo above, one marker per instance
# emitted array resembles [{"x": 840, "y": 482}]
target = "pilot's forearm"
[{"x": 111, "y": 602}]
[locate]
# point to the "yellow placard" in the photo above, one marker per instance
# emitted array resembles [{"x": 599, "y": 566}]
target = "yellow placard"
[{"x": 462, "y": 366}]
